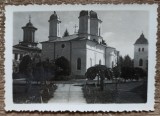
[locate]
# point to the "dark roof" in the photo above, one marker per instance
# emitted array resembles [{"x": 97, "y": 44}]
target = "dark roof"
[
  {"x": 83, "y": 13},
  {"x": 53, "y": 16},
  {"x": 141, "y": 40},
  {"x": 26, "y": 48},
  {"x": 93, "y": 14},
  {"x": 29, "y": 25}
]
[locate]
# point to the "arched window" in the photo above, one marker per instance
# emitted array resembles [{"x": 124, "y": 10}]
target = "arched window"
[
  {"x": 91, "y": 62},
  {"x": 143, "y": 49},
  {"x": 78, "y": 64},
  {"x": 140, "y": 62},
  {"x": 100, "y": 62},
  {"x": 139, "y": 49}
]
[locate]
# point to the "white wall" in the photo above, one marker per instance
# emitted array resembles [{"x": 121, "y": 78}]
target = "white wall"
[
  {"x": 95, "y": 52},
  {"x": 54, "y": 29},
  {"x": 111, "y": 56},
  {"x": 140, "y": 55}
]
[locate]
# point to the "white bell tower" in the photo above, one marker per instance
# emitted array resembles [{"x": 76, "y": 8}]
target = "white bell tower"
[{"x": 54, "y": 27}]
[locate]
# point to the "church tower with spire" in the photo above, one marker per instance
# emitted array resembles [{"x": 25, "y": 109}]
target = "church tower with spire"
[
  {"x": 54, "y": 27},
  {"x": 141, "y": 52}
]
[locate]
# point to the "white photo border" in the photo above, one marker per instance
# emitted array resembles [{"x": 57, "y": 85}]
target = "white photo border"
[{"x": 149, "y": 106}]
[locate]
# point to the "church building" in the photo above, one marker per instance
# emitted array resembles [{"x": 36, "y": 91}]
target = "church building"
[
  {"x": 26, "y": 47},
  {"x": 141, "y": 52},
  {"x": 83, "y": 49}
]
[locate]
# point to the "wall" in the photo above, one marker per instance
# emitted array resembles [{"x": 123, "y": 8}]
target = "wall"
[
  {"x": 141, "y": 55},
  {"x": 78, "y": 51},
  {"x": 111, "y": 57},
  {"x": 95, "y": 52},
  {"x": 47, "y": 51}
]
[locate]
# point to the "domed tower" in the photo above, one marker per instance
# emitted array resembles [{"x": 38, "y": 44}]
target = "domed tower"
[
  {"x": 54, "y": 27},
  {"x": 141, "y": 52},
  {"x": 83, "y": 22},
  {"x": 95, "y": 26},
  {"x": 29, "y": 34}
]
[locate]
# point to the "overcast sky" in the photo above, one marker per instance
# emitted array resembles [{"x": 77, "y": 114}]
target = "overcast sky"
[{"x": 120, "y": 29}]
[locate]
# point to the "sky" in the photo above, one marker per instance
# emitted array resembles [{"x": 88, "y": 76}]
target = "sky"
[{"x": 120, "y": 29}]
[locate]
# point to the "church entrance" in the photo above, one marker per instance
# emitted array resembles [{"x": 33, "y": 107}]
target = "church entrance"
[{"x": 63, "y": 67}]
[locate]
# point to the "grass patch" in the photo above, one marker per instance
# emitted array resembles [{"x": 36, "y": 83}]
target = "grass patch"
[
  {"x": 36, "y": 93},
  {"x": 93, "y": 94}
]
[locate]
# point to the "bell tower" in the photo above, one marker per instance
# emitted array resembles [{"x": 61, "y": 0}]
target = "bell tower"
[
  {"x": 95, "y": 26},
  {"x": 29, "y": 34},
  {"x": 141, "y": 52},
  {"x": 54, "y": 27}
]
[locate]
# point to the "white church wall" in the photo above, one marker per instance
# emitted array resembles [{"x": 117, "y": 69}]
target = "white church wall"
[
  {"x": 95, "y": 54},
  {"x": 140, "y": 54},
  {"x": 111, "y": 57}
]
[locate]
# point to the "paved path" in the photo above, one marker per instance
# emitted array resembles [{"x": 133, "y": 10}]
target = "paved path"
[{"x": 68, "y": 93}]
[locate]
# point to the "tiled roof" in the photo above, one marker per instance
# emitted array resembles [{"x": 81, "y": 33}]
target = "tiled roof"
[{"x": 141, "y": 40}]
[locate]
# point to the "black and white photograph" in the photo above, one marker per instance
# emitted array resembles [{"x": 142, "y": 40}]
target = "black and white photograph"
[{"x": 84, "y": 56}]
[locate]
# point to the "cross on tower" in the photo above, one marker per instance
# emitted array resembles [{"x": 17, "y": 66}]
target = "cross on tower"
[
  {"x": 75, "y": 28},
  {"x": 29, "y": 18}
]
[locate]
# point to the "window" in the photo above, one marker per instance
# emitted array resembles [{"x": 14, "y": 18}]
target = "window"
[
  {"x": 143, "y": 49},
  {"x": 16, "y": 56},
  {"x": 62, "y": 45},
  {"x": 21, "y": 56},
  {"x": 139, "y": 49},
  {"x": 140, "y": 62},
  {"x": 99, "y": 62},
  {"x": 78, "y": 64}
]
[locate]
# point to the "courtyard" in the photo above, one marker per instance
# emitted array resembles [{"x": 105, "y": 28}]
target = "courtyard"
[{"x": 80, "y": 91}]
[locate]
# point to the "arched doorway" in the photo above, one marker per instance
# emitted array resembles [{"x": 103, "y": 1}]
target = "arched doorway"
[{"x": 63, "y": 66}]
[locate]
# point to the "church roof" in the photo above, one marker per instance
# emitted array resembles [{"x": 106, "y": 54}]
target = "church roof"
[
  {"x": 53, "y": 16},
  {"x": 29, "y": 25},
  {"x": 141, "y": 40},
  {"x": 67, "y": 38},
  {"x": 19, "y": 50},
  {"x": 26, "y": 48}
]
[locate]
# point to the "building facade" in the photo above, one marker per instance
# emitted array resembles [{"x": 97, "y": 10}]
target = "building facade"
[
  {"x": 84, "y": 49},
  {"x": 141, "y": 53}
]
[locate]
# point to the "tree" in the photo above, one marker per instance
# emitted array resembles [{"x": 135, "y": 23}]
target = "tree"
[
  {"x": 127, "y": 69},
  {"x": 127, "y": 73},
  {"x": 99, "y": 71},
  {"x": 127, "y": 61},
  {"x": 139, "y": 73},
  {"x": 25, "y": 64},
  {"x": 66, "y": 33},
  {"x": 25, "y": 68}
]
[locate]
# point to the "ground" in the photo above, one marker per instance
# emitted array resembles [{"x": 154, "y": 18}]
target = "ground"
[{"x": 73, "y": 92}]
